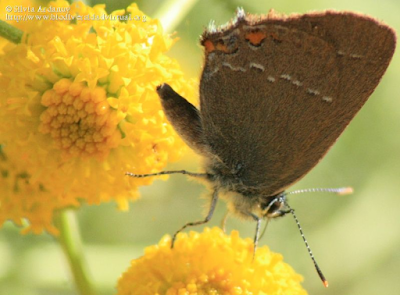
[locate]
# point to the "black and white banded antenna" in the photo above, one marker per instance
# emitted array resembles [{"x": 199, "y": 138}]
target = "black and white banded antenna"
[{"x": 338, "y": 191}]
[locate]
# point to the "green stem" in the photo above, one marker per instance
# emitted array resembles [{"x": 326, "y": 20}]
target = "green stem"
[
  {"x": 10, "y": 32},
  {"x": 71, "y": 243},
  {"x": 172, "y": 12}
]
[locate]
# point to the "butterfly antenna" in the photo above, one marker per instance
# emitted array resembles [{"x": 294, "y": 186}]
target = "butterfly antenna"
[
  {"x": 321, "y": 275},
  {"x": 341, "y": 191}
]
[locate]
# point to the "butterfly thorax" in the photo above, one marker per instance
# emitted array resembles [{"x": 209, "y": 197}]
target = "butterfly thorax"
[{"x": 245, "y": 201}]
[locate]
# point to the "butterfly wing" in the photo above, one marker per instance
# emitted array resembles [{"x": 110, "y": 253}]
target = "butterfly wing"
[{"x": 276, "y": 92}]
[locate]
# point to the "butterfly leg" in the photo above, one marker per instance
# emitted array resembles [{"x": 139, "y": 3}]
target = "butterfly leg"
[
  {"x": 207, "y": 219},
  {"x": 223, "y": 221},
  {"x": 257, "y": 235}
]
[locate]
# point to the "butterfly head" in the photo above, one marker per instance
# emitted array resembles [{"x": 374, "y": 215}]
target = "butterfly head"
[{"x": 275, "y": 206}]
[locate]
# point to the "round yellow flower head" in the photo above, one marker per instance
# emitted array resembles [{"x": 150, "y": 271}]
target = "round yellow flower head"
[
  {"x": 209, "y": 263},
  {"x": 78, "y": 105}
]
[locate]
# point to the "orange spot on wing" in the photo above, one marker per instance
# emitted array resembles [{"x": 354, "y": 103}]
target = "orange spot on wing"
[
  {"x": 209, "y": 46},
  {"x": 219, "y": 45},
  {"x": 255, "y": 38}
]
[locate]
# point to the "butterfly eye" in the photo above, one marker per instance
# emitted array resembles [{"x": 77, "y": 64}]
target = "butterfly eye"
[{"x": 274, "y": 206}]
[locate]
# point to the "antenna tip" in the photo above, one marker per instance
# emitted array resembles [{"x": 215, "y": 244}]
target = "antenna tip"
[
  {"x": 345, "y": 191},
  {"x": 326, "y": 284}
]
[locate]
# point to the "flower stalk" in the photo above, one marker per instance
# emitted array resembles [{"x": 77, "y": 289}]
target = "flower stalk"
[
  {"x": 10, "y": 32},
  {"x": 172, "y": 12},
  {"x": 71, "y": 242}
]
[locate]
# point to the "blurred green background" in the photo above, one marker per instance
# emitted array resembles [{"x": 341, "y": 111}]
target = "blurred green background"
[{"x": 355, "y": 238}]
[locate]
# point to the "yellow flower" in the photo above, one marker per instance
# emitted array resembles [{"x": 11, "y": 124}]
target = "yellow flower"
[
  {"x": 20, "y": 200},
  {"x": 78, "y": 105},
  {"x": 209, "y": 263}
]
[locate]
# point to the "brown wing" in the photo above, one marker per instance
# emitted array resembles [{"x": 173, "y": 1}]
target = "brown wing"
[{"x": 276, "y": 92}]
